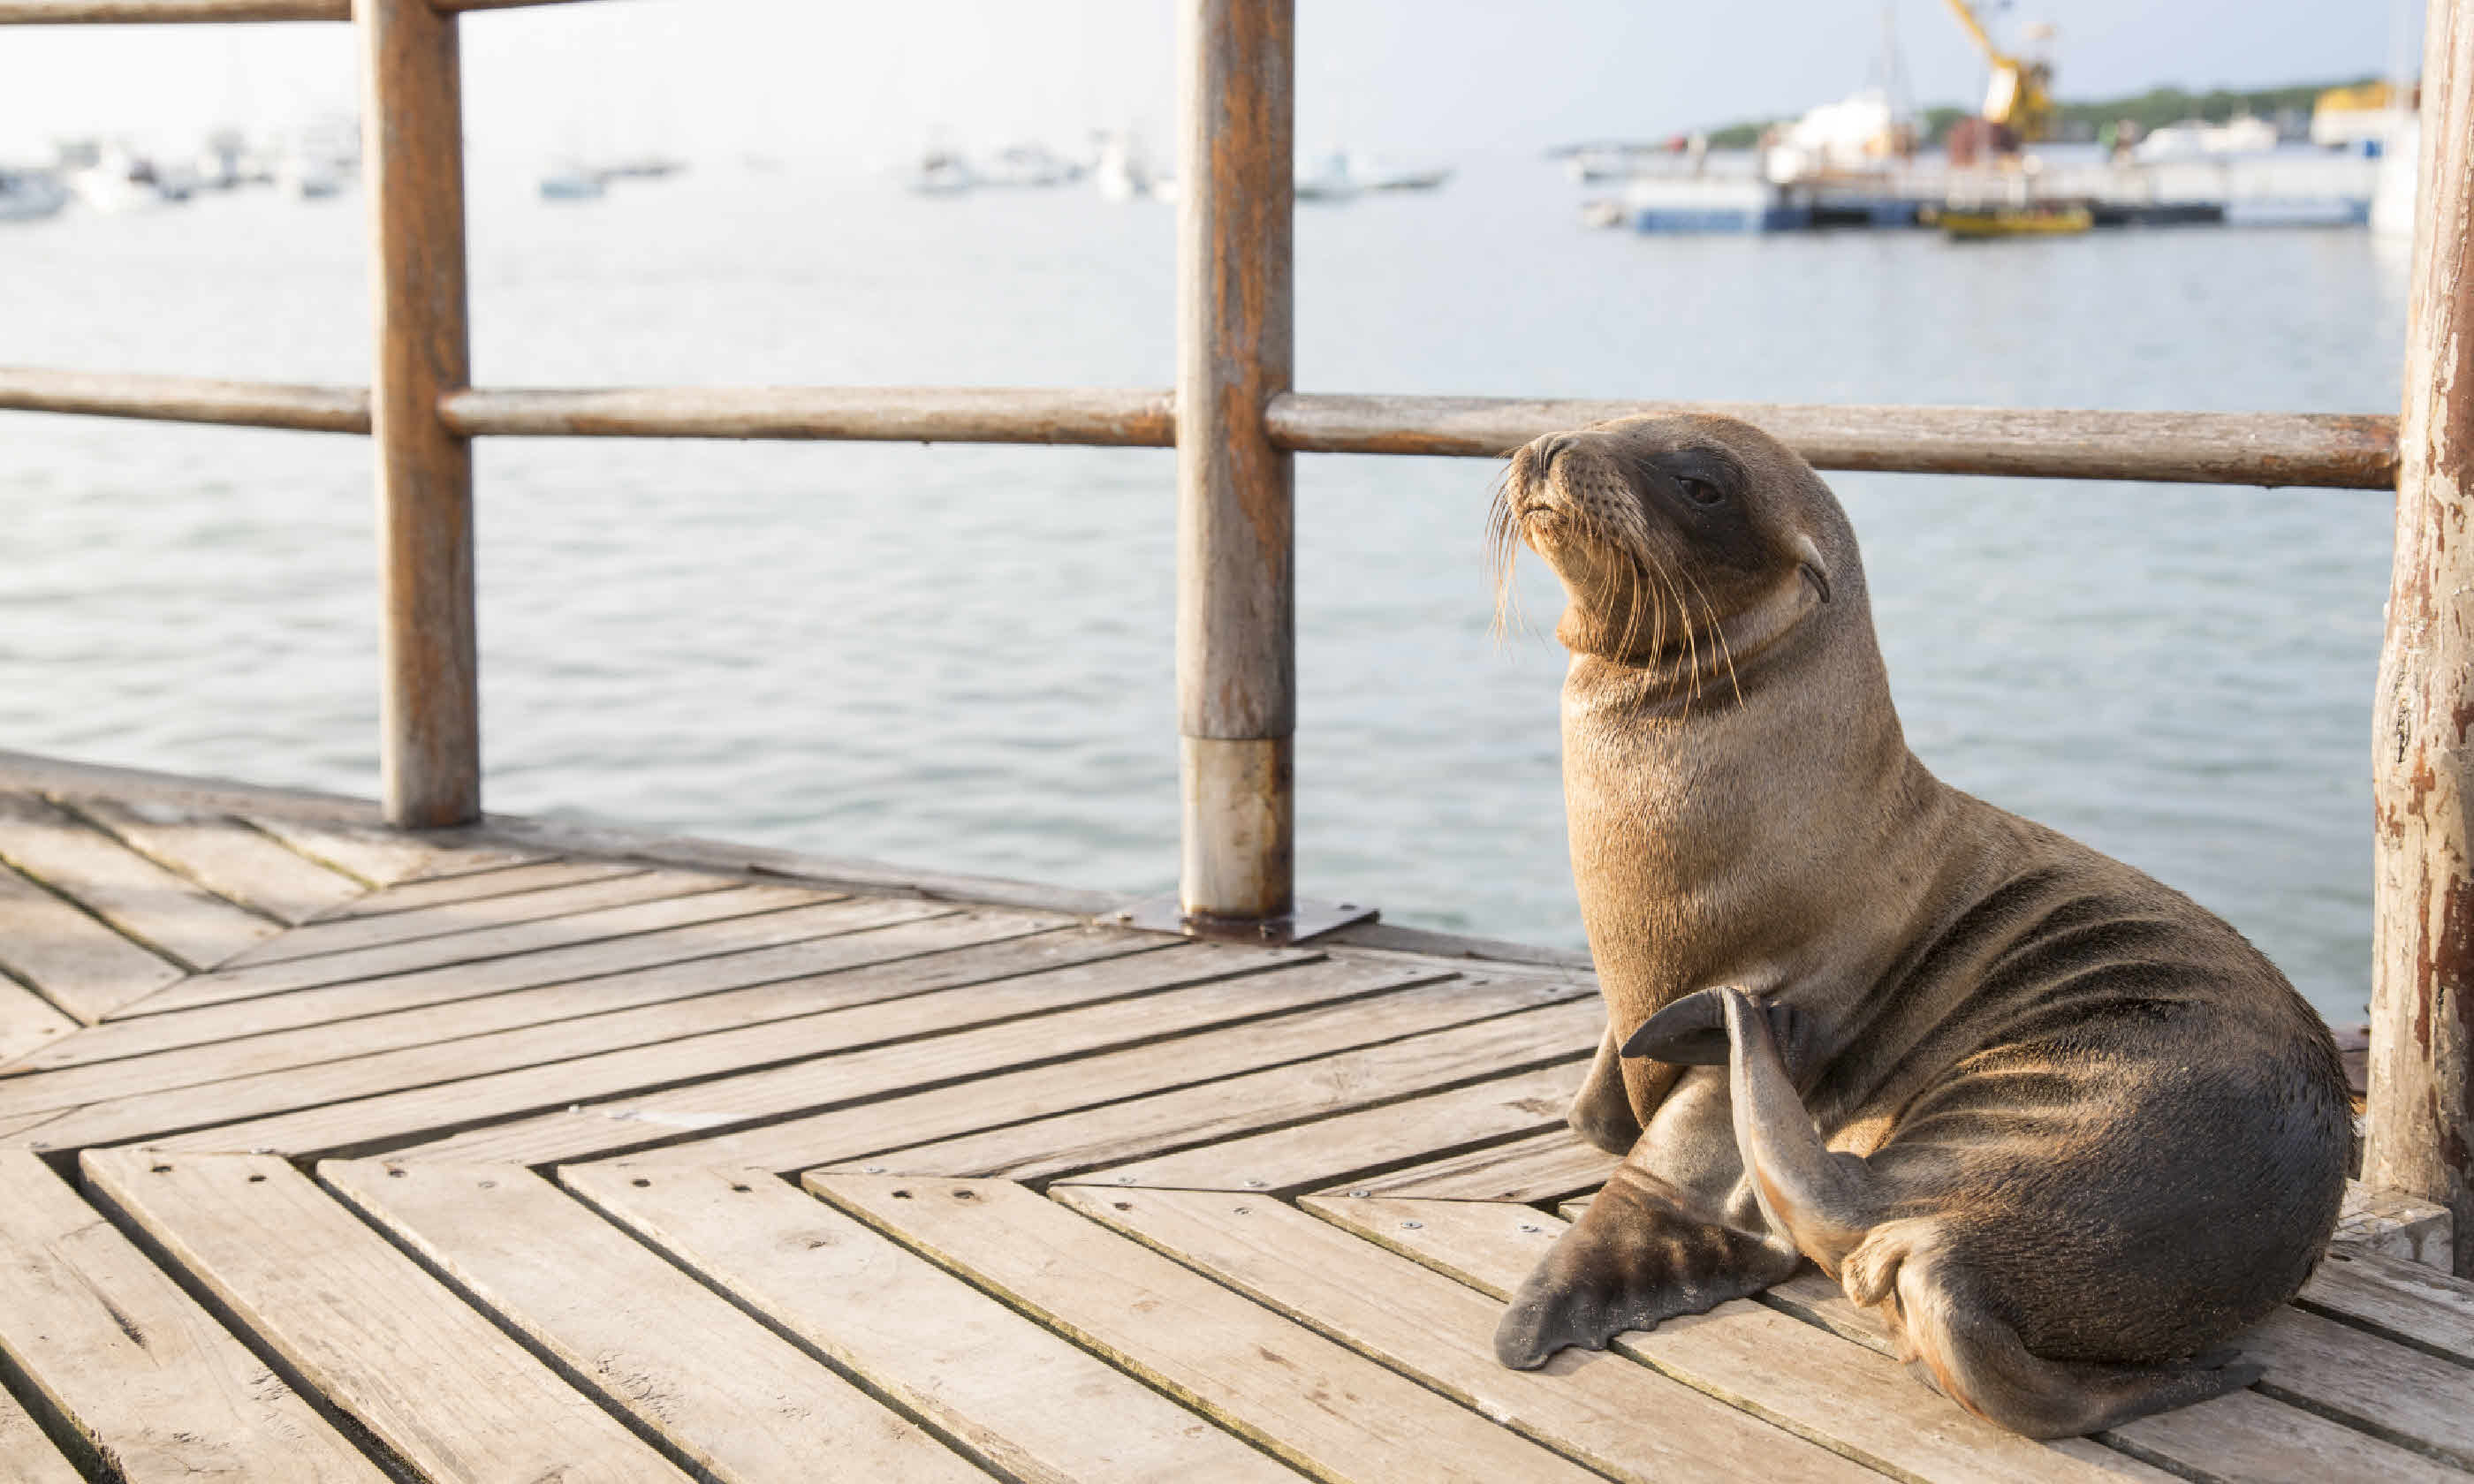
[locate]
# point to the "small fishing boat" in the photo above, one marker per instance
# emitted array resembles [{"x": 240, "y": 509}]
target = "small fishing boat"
[
  {"x": 571, "y": 182},
  {"x": 1982, "y": 224},
  {"x": 30, "y": 195}
]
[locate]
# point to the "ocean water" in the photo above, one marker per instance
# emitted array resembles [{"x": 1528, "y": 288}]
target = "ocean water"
[{"x": 961, "y": 658}]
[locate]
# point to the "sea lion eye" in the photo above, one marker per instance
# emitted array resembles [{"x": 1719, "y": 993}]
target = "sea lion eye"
[{"x": 1699, "y": 491}]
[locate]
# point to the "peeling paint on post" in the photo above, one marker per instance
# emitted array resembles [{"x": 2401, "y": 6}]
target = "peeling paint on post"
[
  {"x": 1236, "y": 606},
  {"x": 2421, "y": 1110}
]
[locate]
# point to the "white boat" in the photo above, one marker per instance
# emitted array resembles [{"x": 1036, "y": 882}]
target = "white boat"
[
  {"x": 114, "y": 181},
  {"x": 2196, "y": 137},
  {"x": 1329, "y": 181},
  {"x": 30, "y": 195},
  {"x": 1120, "y": 171},
  {"x": 942, "y": 173},
  {"x": 1026, "y": 165},
  {"x": 571, "y": 182}
]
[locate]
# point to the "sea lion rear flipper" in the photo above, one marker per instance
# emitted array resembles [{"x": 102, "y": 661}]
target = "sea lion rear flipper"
[
  {"x": 1692, "y": 1032},
  {"x": 1969, "y": 1355}
]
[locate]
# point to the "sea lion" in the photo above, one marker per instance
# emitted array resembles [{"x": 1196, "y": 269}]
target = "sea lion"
[{"x": 2065, "y": 1131}]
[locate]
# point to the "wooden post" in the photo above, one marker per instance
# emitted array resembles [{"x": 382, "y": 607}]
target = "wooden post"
[
  {"x": 413, "y": 149},
  {"x": 2421, "y": 1114},
  {"x": 1236, "y": 608}
]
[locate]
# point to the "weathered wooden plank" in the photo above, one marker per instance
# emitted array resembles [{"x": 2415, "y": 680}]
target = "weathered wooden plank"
[
  {"x": 2337, "y": 452},
  {"x": 685, "y": 899},
  {"x": 1032, "y": 1123},
  {"x": 949, "y": 415},
  {"x": 131, "y": 1098},
  {"x": 12, "y": 1127},
  {"x": 383, "y": 857},
  {"x": 81, "y": 966},
  {"x": 168, "y": 913},
  {"x": 2243, "y": 1436},
  {"x": 1831, "y": 1390},
  {"x": 141, "y": 1373},
  {"x": 723, "y": 1393},
  {"x": 1399, "y": 1054},
  {"x": 476, "y": 885},
  {"x": 708, "y": 926},
  {"x": 2421, "y": 1104},
  {"x": 1329, "y": 1149},
  {"x": 1541, "y": 1167},
  {"x": 928, "y": 1340},
  {"x": 1149, "y": 1043},
  {"x": 26, "y": 1455},
  {"x": 2402, "y": 1395},
  {"x": 382, "y": 1341},
  {"x": 2405, "y": 1301},
  {"x": 1619, "y": 1418},
  {"x": 228, "y": 856},
  {"x": 595, "y": 892},
  {"x": 1307, "y": 1400},
  {"x": 28, "y": 1024},
  {"x": 2394, "y": 1225},
  {"x": 705, "y": 1083},
  {"x": 715, "y": 994}
]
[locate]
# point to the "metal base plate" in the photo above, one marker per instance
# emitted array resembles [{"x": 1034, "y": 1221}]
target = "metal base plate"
[{"x": 1307, "y": 920}]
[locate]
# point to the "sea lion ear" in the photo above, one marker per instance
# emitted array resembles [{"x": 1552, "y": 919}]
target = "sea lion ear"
[
  {"x": 1807, "y": 560},
  {"x": 1691, "y": 1032}
]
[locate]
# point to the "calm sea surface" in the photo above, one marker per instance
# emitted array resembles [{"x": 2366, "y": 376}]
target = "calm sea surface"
[{"x": 960, "y": 656}]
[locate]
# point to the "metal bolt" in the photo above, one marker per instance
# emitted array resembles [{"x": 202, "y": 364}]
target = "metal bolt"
[
  {"x": 1358, "y": 1195},
  {"x": 873, "y": 1169},
  {"x": 1258, "y": 1185},
  {"x": 1411, "y": 1226},
  {"x": 1125, "y": 1180},
  {"x": 1244, "y": 1211},
  {"x": 1529, "y": 1226}
]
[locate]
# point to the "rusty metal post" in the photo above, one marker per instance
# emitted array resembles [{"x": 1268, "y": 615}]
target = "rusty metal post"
[
  {"x": 1236, "y": 612},
  {"x": 2421, "y": 1116},
  {"x": 413, "y": 152}
]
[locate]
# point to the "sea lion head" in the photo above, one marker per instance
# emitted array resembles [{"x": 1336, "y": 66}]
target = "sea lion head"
[{"x": 1686, "y": 543}]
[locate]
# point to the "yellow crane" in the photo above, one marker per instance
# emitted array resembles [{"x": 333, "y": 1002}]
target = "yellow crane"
[{"x": 2020, "y": 98}]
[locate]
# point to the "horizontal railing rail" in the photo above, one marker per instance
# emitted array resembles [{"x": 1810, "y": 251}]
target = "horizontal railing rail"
[
  {"x": 173, "y": 12},
  {"x": 2325, "y": 450}
]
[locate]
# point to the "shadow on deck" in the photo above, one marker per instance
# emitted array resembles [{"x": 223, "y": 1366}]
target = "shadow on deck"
[{"x": 327, "y": 1152}]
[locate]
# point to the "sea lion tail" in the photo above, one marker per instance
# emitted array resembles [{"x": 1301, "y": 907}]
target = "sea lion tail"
[{"x": 1823, "y": 1201}]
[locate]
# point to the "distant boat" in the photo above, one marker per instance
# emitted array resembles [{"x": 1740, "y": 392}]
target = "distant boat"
[
  {"x": 571, "y": 182},
  {"x": 2198, "y": 138},
  {"x": 1121, "y": 171},
  {"x": 116, "y": 180},
  {"x": 1026, "y": 165},
  {"x": 1980, "y": 224},
  {"x": 942, "y": 173},
  {"x": 30, "y": 195},
  {"x": 642, "y": 167},
  {"x": 307, "y": 180},
  {"x": 1344, "y": 175}
]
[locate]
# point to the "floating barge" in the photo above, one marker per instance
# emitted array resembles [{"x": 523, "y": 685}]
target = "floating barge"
[{"x": 2317, "y": 188}]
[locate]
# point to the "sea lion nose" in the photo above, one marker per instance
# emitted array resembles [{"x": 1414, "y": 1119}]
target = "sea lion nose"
[{"x": 1547, "y": 447}]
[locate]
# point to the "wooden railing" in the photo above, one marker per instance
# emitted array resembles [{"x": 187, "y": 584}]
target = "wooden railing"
[{"x": 1236, "y": 421}]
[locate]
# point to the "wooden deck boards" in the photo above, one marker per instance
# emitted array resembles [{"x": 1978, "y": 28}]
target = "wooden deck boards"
[{"x": 462, "y": 1157}]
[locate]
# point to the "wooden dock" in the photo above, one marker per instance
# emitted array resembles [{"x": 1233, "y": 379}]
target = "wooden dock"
[{"x": 522, "y": 1152}]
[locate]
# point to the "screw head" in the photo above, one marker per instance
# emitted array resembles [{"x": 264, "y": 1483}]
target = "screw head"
[
  {"x": 873, "y": 1169},
  {"x": 1258, "y": 1185},
  {"x": 1529, "y": 1226},
  {"x": 1411, "y": 1226},
  {"x": 1358, "y": 1195},
  {"x": 1125, "y": 1180}
]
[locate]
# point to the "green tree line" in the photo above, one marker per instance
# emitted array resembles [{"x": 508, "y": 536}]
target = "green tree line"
[{"x": 2151, "y": 109}]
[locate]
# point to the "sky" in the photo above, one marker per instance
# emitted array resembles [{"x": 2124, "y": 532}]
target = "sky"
[{"x": 872, "y": 83}]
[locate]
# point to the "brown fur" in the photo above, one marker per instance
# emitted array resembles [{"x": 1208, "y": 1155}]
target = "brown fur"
[{"x": 2073, "y": 1129}]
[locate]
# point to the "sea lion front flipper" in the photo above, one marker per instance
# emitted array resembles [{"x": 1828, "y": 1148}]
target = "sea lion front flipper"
[
  {"x": 1638, "y": 1255},
  {"x": 1601, "y": 1111},
  {"x": 1692, "y": 1031}
]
